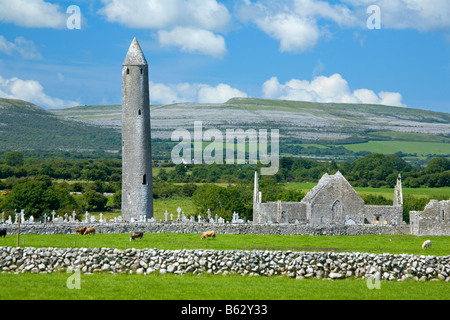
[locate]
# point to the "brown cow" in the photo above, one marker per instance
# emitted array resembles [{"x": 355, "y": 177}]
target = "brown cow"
[
  {"x": 135, "y": 235},
  {"x": 81, "y": 230},
  {"x": 5, "y": 193},
  {"x": 208, "y": 234},
  {"x": 90, "y": 230}
]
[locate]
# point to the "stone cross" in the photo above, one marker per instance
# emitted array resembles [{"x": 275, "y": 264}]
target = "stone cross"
[
  {"x": 53, "y": 215},
  {"x": 209, "y": 214},
  {"x": 216, "y": 217},
  {"x": 101, "y": 217},
  {"x": 65, "y": 217},
  {"x": 165, "y": 215},
  {"x": 171, "y": 216},
  {"x": 179, "y": 211},
  {"x": 199, "y": 218},
  {"x": 22, "y": 215},
  {"x": 86, "y": 217},
  {"x": 73, "y": 216},
  {"x": 45, "y": 218}
]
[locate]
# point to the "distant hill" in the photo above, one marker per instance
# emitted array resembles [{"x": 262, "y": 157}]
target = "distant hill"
[
  {"x": 357, "y": 127},
  {"x": 25, "y": 126},
  {"x": 296, "y": 119}
]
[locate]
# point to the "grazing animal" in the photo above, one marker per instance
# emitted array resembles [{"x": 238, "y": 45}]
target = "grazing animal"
[
  {"x": 135, "y": 235},
  {"x": 3, "y": 232},
  {"x": 426, "y": 244},
  {"x": 90, "y": 230},
  {"x": 81, "y": 230},
  {"x": 5, "y": 193},
  {"x": 208, "y": 234}
]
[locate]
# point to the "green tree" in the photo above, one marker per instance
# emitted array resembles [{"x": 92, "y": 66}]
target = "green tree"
[
  {"x": 35, "y": 197},
  {"x": 94, "y": 201},
  {"x": 437, "y": 165},
  {"x": 14, "y": 158}
]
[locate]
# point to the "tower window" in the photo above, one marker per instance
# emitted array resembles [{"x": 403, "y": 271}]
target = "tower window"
[
  {"x": 139, "y": 112},
  {"x": 141, "y": 71},
  {"x": 144, "y": 179},
  {"x": 128, "y": 71}
]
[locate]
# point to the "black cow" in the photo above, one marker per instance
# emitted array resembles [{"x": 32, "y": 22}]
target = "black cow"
[{"x": 2, "y": 232}]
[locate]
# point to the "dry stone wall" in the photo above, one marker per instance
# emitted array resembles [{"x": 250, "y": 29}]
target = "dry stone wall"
[
  {"x": 321, "y": 265},
  {"x": 220, "y": 228}
]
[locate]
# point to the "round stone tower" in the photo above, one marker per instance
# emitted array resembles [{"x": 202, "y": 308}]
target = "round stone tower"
[{"x": 137, "y": 188}]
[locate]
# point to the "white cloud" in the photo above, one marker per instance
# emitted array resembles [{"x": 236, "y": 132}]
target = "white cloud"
[
  {"x": 31, "y": 91},
  {"x": 32, "y": 13},
  {"x": 194, "y": 40},
  {"x": 422, "y": 15},
  {"x": 327, "y": 89},
  {"x": 294, "y": 33},
  {"x": 219, "y": 94},
  {"x": 25, "y": 48},
  {"x": 295, "y": 24},
  {"x": 186, "y": 92},
  {"x": 187, "y": 24},
  {"x": 167, "y": 14}
]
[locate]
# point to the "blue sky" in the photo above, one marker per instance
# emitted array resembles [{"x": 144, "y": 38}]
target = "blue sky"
[{"x": 211, "y": 50}]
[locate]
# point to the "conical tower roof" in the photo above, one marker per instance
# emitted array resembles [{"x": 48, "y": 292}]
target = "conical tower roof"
[{"x": 134, "y": 57}]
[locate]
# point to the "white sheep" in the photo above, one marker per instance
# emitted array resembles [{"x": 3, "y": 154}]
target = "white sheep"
[{"x": 426, "y": 244}]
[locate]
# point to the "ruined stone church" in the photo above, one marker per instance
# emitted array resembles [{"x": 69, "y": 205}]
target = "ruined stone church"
[{"x": 332, "y": 201}]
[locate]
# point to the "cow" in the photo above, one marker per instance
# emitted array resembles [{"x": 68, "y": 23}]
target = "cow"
[
  {"x": 90, "y": 230},
  {"x": 135, "y": 235},
  {"x": 3, "y": 232},
  {"x": 81, "y": 230},
  {"x": 5, "y": 193},
  {"x": 426, "y": 244},
  {"x": 208, "y": 234}
]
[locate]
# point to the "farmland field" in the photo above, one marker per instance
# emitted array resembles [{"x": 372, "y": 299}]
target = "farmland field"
[
  {"x": 394, "y": 244},
  {"x": 208, "y": 287},
  {"x": 103, "y": 286},
  {"x": 385, "y": 192},
  {"x": 391, "y": 147}
]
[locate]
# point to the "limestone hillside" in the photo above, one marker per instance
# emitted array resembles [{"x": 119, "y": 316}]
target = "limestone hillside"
[
  {"x": 25, "y": 126},
  {"x": 300, "y": 120}
]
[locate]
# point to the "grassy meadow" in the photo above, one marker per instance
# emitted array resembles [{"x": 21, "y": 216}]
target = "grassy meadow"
[
  {"x": 394, "y": 244},
  {"x": 101, "y": 286},
  {"x": 388, "y": 193},
  {"x": 410, "y": 147},
  {"x": 207, "y": 287}
]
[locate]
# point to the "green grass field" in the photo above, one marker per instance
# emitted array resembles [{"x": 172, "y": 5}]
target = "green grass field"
[
  {"x": 207, "y": 287},
  {"x": 388, "y": 193},
  {"x": 394, "y": 244},
  {"x": 101, "y": 286},
  {"x": 391, "y": 147}
]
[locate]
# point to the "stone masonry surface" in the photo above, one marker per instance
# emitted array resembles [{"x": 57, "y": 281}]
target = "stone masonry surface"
[
  {"x": 220, "y": 228},
  {"x": 321, "y": 265}
]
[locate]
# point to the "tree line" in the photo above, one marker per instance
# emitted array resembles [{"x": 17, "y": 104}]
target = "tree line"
[{"x": 42, "y": 185}]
